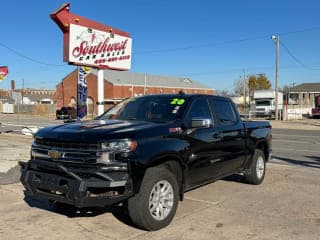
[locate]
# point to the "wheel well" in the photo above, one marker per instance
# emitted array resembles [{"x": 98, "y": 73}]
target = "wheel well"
[
  {"x": 174, "y": 166},
  {"x": 264, "y": 148}
]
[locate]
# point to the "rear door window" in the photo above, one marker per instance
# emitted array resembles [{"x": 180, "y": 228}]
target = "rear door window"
[{"x": 223, "y": 111}]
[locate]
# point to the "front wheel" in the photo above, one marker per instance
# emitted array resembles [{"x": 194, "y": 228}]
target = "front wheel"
[
  {"x": 257, "y": 170},
  {"x": 156, "y": 203}
]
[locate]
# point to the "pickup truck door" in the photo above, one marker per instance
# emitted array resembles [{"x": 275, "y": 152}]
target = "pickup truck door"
[
  {"x": 231, "y": 129},
  {"x": 205, "y": 145}
]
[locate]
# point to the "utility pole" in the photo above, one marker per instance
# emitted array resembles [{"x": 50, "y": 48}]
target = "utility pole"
[
  {"x": 145, "y": 84},
  {"x": 244, "y": 91},
  {"x": 276, "y": 39},
  {"x": 22, "y": 92},
  {"x": 131, "y": 83}
]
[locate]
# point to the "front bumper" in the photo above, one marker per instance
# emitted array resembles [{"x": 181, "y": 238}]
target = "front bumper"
[
  {"x": 85, "y": 186},
  {"x": 263, "y": 114},
  {"x": 62, "y": 116}
]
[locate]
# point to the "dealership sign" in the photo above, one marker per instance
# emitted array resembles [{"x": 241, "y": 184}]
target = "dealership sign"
[
  {"x": 92, "y": 47},
  {"x": 3, "y": 72},
  {"x": 89, "y": 43}
]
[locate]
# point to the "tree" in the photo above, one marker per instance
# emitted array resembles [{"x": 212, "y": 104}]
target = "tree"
[
  {"x": 259, "y": 82},
  {"x": 254, "y": 82},
  {"x": 285, "y": 89},
  {"x": 238, "y": 87},
  {"x": 224, "y": 93}
]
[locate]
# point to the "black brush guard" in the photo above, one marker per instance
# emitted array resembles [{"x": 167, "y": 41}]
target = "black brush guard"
[{"x": 79, "y": 186}]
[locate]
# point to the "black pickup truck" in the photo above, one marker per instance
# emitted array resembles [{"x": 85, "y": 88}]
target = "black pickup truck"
[
  {"x": 145, "y": 153},
  {"x": 66, "y": 113}
]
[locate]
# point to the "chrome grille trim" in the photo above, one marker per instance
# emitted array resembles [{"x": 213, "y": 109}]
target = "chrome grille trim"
[
  {"x": 67, "y": 154},
  {"x": 66, "y": 145}
]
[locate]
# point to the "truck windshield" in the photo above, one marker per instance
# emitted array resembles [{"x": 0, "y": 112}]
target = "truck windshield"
[
  {"x": 263, "y": 103},
  {"x": 151, "y": 108}
]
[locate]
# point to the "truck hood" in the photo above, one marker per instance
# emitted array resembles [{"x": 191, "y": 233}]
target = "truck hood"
[{"x": 99, "y": 130}]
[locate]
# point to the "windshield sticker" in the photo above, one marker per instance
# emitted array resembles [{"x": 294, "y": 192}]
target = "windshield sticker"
[
  {"x": 176, "y": 109},
  {"x": 177, "y": 101}
]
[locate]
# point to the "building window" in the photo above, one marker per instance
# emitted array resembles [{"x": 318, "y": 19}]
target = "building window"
[{"x": 73, "y": 102}]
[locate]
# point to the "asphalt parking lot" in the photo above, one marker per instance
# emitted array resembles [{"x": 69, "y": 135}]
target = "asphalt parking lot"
[{"x": 285, "y": 206}]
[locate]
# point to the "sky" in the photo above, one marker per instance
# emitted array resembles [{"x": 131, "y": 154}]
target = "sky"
[{"x": 208, "y": 41}]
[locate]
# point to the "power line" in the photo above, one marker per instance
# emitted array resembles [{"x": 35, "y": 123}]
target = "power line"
[
  {"x": 202, "y": 45},
  {"x": 185, "y": 48},
  {"x": 296, "y": 59},
  {"x": 250, "y": 69},
  {"x": 225, "y": 42},
  {"x": 29, "y": 58},
  {"x": 301, "y": 31}
]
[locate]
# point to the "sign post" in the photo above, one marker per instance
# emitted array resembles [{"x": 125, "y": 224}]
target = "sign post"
[
  {"x": 100, "y": 92},
  {"x": 89, "y": 43}
]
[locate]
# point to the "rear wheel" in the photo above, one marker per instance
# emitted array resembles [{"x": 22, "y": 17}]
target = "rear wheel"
[
  {"x": 156, "y": 203},
  {"x": 257, "y": 170}
]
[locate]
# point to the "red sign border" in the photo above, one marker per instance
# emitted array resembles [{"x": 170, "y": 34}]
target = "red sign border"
[{"x": 6, "y": 71}]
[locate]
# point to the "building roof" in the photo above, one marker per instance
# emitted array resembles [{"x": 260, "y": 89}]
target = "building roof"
[
  {"x": 307, "y": 87},
  {"x": 138, "y": 79},
  {"x": 38, "y": 97}
]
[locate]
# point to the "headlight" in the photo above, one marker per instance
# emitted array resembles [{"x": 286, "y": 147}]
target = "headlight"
[
  {"x": 112, "y": 148},
  {"x": 119, "y": 145}
]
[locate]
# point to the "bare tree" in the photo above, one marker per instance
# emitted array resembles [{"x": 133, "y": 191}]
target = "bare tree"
[{"x": 238, "y": 87}]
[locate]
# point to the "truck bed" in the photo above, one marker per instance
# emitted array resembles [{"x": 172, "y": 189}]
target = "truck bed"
[{"x": 256, "y": 124}]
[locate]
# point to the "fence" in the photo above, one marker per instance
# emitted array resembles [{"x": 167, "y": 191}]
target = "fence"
[
  {"x": 294, "y": 112},
  {"x": 34, "y": 109}
]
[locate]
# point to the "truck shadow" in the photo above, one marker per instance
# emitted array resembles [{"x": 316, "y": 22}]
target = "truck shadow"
[
  {"x": 314, "y": 158},
  {"x": 119, "y": 212},
  {"x": 313, "y": 163},
  {"x": 235, "y": 178}
]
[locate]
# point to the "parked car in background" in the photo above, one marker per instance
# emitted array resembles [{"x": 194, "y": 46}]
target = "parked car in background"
[{"x": 66, "y": 113}]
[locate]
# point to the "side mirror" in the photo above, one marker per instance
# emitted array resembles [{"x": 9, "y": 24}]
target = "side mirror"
[{"x": 201, "y": 122}]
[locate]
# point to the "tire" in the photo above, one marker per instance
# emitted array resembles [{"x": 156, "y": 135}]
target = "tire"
[
  {"x": 257, "y": 170},
  {"x": 145, "y": 207}
]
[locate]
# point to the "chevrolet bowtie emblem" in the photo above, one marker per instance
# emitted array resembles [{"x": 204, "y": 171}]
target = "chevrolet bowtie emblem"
[{"x": 54, "y": 154}]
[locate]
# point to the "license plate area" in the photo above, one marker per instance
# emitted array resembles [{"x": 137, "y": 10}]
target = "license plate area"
[{"x": 52, "y": 184}]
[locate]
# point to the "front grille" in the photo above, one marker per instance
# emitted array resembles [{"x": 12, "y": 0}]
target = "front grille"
[
  {"x": 43, "y": 149},
  {"x": 62, "y": 144}
]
